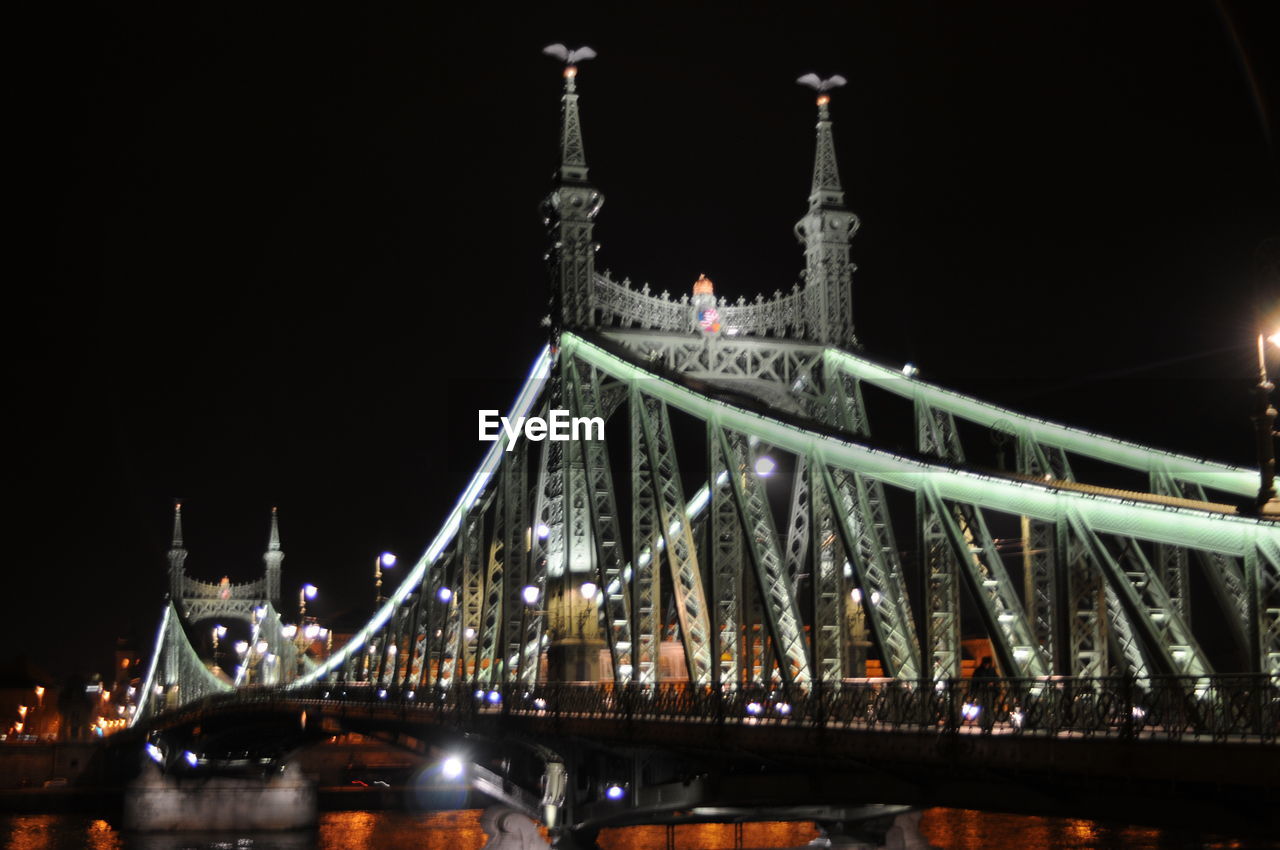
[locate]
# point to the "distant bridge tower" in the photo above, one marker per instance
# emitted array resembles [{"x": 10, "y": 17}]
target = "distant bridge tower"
[
  {"x": 178, "y": 674},
  {"x": 202, "y": 600}
]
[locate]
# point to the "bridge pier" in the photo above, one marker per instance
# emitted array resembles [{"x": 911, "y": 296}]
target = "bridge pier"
[
  {"x": 157, "y": 802},
  {"x": 902, "y": 833},
  {"x": 574, "y": 659},
  {"x": 509, "y": 829}
]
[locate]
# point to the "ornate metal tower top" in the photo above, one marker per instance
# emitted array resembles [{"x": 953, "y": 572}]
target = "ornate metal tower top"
[
  {"x": 198, "y": 600},
  {"x": 273, "y": 558},
  {"x": 570, "y": 208},
  {"x": 825, "y": 232},
  {"x": 177, "y": 554}
]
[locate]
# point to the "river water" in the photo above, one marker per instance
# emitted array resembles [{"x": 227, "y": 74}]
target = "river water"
[{"x": 949, "y": 829}]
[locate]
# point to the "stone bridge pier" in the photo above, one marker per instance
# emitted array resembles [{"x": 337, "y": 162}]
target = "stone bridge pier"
[{"x": 159, "y": 802}]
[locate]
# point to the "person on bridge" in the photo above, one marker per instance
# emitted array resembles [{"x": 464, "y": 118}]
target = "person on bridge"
[{"x": 984, "y": 692}]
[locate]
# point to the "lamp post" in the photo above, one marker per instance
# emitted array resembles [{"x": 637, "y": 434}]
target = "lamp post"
[
  {"x": 1264, "y": 424},
  {"x": 218, "y": 632},
  {"x": 307, "y": 591},
  {"x": 384, "y": 561}
]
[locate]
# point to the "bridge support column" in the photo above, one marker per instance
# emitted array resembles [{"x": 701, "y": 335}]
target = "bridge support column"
[
  {"x": 574, "y": 660},
  {"x": 508, "y": 829},
  {"x": 159, "y": 803},
  {"x": 902, "y": 833}
]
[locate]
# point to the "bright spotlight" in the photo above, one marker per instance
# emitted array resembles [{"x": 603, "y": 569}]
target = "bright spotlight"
[
  {"x": 530, "y": 595},
  {"x": 191, "y": 758},
  {"x": 542, "y": 531},
  {"x": 156, "y": 755},
  {"x": 388, "y": 560},
  {"x": 765, "y": 466},
  {"x": 444, "y": 594},
  {"x": 452, "y": 767},
  {"x": 309, "y": 591},
  {"x": 856, "y": 596},
  {"x": 614, "y": 792},
  {"x": 588, "y": 589}
]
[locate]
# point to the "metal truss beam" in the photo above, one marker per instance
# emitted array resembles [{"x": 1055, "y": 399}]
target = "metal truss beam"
[
  {"x": 1222, "y": 477},
  {"x": 647, "y": 545},
  {"x": 868, "y": 536},
  {"x": 989, "y": 582},
  {"x": 779, "y": 596},
  {"x": 827, "y": 630},
  {"x": 728, "y": 567},
  {"x": 686, "y": 575},
  {"x": 1113, "y": 514},
  {"x": 603, "y": 523}
]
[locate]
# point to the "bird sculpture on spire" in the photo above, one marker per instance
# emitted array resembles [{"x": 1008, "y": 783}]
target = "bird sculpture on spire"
[
  {"x": 820, "y": 85},
  {"x": 567, "y": 56}
]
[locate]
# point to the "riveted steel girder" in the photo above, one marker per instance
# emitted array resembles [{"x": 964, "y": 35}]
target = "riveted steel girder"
[
  {"x": 474, "y": 563},
  {"x": 495, "y": 586},
  {"x": 868, "y": 536},
  {"x": 798, "y": 521},
  {"x": 646, "y": 585},
  {"x": 989, "y": 582},
  {"x": 1164, "y": 627},
  {"x": 518, "y": 543},
  {"x": 827, "y": 628},
  {"x": 1262, "y": 580},
  {"x": 728, "y": 566},
  {"x": 548, "y": 549},
  {"x": 942, "y": 591},
  {"x": 603, "y": 517},
  {"x": 763, "y": 547},
  {"x": 676, "y": 531},
  {"x": 1042, "y": 433}
]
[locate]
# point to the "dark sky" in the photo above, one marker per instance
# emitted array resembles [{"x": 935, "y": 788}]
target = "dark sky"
[{"x": 281, "y": 257}]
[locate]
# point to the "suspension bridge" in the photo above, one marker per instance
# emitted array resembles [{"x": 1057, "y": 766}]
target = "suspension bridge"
[{"x": 749, "y": 594}]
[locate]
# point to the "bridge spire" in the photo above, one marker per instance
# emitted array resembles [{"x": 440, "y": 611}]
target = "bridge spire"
[
  {"x": 177, "y": 554},
  {"x": 274, "y": 558},
  {"x": 571, "y": 207},
  {"x": 825, "y": 232}
]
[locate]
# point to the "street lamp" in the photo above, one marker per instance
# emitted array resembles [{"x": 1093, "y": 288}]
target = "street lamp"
[
  {"x": 1264, "y": 424},
  {"x": 219, "y": 631},
  {"x": 384, "y": 561},
  {"x": 308, "y": 591}
]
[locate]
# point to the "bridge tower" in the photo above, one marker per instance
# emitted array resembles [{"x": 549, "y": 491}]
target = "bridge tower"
[
  {"x": 201, "y": 600},
  {"x": 569, "y": 212},
  {"x": 177, "y": 673},
  {"x": 825, "y": 232},
  {"x": 575, "y": 638}
]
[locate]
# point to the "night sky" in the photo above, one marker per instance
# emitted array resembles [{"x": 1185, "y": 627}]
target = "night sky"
[{"x": 282, "y": 257}]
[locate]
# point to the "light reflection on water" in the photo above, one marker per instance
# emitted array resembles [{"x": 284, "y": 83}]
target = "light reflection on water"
[{"x": 948, "y": 829}]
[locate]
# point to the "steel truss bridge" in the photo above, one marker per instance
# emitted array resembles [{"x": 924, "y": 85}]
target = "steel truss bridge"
[{"x": 744, "y": 546}]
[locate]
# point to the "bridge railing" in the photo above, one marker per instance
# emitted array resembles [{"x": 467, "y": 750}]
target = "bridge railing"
[{"x": 1192, "y": 708}]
